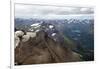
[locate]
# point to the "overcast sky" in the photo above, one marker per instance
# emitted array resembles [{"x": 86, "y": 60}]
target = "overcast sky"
[{"x": 37, "y": 11}]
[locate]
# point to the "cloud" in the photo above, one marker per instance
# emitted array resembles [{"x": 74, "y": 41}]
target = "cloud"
[
  {"x": 87, "y": 10},
  {"x": 27, "y": 11}
]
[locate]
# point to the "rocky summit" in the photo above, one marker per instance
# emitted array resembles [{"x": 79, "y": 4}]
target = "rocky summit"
[{"x": 43, "y": 49}]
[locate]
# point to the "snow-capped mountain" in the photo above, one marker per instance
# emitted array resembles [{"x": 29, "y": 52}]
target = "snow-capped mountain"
[{"x": 50, "y": 29}]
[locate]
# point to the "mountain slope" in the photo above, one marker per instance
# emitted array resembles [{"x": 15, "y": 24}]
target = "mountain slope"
[{"x": 43, "y": 49}]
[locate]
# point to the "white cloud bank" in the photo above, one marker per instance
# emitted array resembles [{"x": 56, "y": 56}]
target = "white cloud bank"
[{"x": 37, "y": 11}]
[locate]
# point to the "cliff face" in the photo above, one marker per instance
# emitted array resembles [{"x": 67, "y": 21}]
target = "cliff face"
[{"x": 43, "y": 49}]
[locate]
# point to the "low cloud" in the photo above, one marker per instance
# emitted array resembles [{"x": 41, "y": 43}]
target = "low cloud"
[{"x": 28, "y": 11}]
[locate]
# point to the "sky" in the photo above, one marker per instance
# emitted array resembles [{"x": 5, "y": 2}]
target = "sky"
[{"x": 51, "y": 12}]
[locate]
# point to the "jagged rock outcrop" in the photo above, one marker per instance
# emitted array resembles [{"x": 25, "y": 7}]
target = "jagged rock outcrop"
[{"x": 43, "y": 49}]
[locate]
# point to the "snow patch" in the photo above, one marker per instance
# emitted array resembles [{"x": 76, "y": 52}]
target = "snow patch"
[
  {"x": 31, "y": 30},
  {"x": 36, "y": 24},
  {"x": 53, "y": 34},
  {"x": 37, "y": 30},
  {"x": 51, "y": 26}
]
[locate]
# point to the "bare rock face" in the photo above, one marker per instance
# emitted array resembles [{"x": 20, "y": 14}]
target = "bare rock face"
[{"x": 42, "y": 49}]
